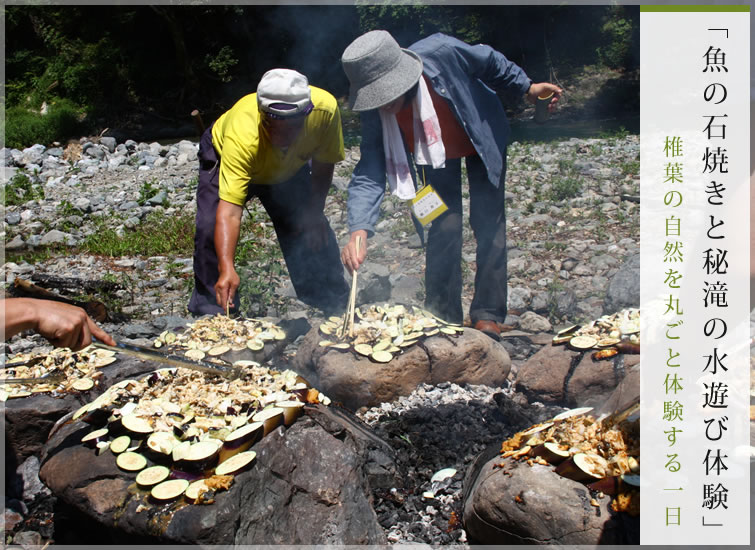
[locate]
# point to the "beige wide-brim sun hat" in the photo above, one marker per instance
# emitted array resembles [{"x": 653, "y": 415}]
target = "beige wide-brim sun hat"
[{"x": 379, "y": 70}]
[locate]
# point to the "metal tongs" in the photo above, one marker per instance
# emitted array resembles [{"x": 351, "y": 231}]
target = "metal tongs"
[
  {"x": 49, "y": 378},
  {"x": 230, "y": 372}
]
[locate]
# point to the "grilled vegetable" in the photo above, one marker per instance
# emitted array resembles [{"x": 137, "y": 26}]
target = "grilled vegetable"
[{"x": 236, "y": 463}]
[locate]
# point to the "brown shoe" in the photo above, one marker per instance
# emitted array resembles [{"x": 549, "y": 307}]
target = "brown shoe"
[{"x": 490, "y": 328}]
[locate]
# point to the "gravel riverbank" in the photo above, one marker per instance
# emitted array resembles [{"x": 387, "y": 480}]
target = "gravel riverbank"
[{"x": 573, "y": 237}]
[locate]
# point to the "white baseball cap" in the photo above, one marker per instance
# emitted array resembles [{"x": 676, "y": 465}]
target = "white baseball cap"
[{"x": 284, "y": 93}]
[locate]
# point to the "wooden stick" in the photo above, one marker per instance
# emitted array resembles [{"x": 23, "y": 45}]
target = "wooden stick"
[{"x": 353, "y": 296}]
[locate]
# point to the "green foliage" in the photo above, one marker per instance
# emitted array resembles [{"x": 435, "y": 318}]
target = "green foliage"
[
  {"x": 630, "y": 168},
  {"x": 260, "y": 264},
  {"x": 24, "y": 128},
  {"x": 222, "y": 63},
  {"x": 157, "y": 235},
  {"x": 619, "y": 34},
  {"x": 65, "y": 209},
  {"x": 21, "y": 189},
  {"x": 148, "y": 190},
  {"x": 564, "y": 188}
]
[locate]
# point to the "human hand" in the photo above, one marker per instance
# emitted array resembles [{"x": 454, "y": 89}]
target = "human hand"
[
  {"x": 544, "y": 89},
  {"x": 352, "y": 257},
  {"x": 66, "y": 326},
  {"x": 225, "y": 288}
]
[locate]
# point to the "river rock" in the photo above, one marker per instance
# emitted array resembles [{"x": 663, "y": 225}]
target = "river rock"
[
  {"x": 357, "y": 381},
  {"x": 57, "y": 237},
  {"x": 558, "y": 375},
  {"x": 624, "y": 287},
  {"x": 522, "y": 504},
  {"x": 16, "y": 243},
  {"x": 308, "y": 485}
]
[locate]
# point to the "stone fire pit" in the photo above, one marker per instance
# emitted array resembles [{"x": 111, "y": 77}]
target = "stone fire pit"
[
  {"x": 310, "y": 484},
  {"x": 356, "y": 381},
  {"x": 508, "y": 501}
]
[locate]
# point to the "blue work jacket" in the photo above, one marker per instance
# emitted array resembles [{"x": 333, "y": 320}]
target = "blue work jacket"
[{"x": 468, "y": 77}]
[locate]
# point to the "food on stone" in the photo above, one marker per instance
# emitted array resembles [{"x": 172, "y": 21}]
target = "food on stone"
[
  {"x": 583, "y": 448},
  {"x": 236, "y": 463},
  {"x": 383, "y": 331},
  {"x": 291, "y": 410},
  {"x": 551, "y": 452},
  {"x": 152, "y": 476},
  {"x": 582, "y": 342},
  {"x": 168, "y": 490},
  {"x": 201, "y": 456},
  {"x": 82, "y": 384},
  {"x": 79, "y": 369},
  {"x": 583, "y": 467},
  {"x": 571, "y": 412},
  {"x": 270, "y": 418},
  {"x": 621, "y": 328},
  {"x": 604, "y": 354},
  {"x": 243, "y": 438},
  {"x": 195, "y": 490},
  {"x": 120, "y": 444},
  {"x": 190, "y": 421},
  {"x": 131, "y": 461},
  {"x": 136, "y": 424},
  {"x": 382, "y": 356},
  {"x": 92, "y": 438},
  {"x": 218, "y": 335}
]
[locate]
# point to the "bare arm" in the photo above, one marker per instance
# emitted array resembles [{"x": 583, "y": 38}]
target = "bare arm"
[
  {"x": 62, "y": 324},
  {"x": 227, "y": 228}
]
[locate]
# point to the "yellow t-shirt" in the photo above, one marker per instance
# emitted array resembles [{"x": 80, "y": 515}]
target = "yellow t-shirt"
[{"x": 246, "y": 155}]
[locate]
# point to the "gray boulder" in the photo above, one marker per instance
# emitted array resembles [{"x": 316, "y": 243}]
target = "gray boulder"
[
  {"x": 57, "y": 237},
  {"x": 624, "y": 287},
  {"x": 510, "y": 502},
  {"x": 109, "y": 143}
]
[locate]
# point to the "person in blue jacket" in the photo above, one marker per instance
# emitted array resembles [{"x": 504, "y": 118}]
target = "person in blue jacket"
[{"x": 437, "y": 101}]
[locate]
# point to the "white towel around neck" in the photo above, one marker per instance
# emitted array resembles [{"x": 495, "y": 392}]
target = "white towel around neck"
[{"x": 428, "y": 145}]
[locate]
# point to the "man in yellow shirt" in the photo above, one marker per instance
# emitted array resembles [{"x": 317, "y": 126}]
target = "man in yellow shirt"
[{"x": 279, "y": 144}]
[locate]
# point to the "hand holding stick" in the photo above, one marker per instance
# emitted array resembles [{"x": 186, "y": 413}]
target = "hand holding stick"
[{"x": 352, "y": 298}]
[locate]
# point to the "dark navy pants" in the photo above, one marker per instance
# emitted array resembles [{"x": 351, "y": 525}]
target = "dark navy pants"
[
  {"x": 487, "y": 216},
  {"x": 317, "y": 276}
]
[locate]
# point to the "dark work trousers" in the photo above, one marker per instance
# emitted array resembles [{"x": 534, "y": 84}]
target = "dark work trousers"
[
  {"x": 317, "y": 276},
  {"x": 443, "y": 279}
]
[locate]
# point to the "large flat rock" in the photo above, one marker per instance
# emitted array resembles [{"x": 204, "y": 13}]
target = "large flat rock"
[
  {"x": 522, "y": 504},
  {"x": 310, "y": 484},
  {"x": 357, "y": 381}
]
